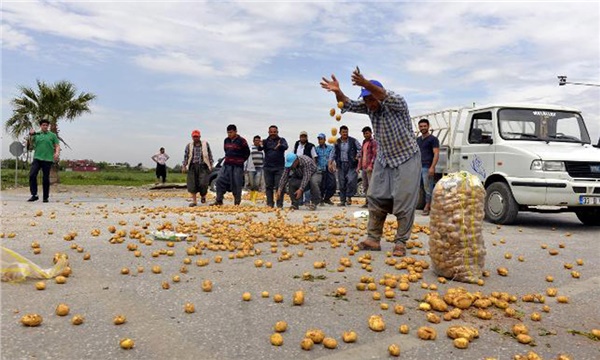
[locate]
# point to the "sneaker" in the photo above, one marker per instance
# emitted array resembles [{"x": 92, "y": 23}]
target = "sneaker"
[{"x": 33, "y": 198}]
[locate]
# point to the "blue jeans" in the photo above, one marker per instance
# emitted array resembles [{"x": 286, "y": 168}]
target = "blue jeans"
[
  {"x": 348, "y": 178},
  {"x": 427, "y": 183},
  {"x": 255, "y": 179}
]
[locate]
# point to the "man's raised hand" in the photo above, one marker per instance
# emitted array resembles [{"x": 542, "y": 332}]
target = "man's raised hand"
[
  {"x": 358, "y": 79},
  {"x": 330, "y": 85}
]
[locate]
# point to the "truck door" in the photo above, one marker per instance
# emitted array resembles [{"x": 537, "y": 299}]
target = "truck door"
[{"x": 478, "y": 152}]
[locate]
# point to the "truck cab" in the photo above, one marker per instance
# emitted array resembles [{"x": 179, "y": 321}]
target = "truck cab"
[{"x": 530, "y": 157}]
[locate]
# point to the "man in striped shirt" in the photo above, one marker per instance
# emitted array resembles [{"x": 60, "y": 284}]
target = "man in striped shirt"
[
  {"x": 300, "y": 171},
  {"x": 254, "y": 168},
  {"x": 231, "y": 175},
  {"x": 397, "y": 169}
]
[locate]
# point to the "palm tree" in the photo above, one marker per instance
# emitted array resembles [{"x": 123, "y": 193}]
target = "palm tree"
[{"x": 53, "y": 102}]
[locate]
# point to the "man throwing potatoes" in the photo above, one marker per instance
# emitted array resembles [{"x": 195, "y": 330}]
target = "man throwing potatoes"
[{"x": 396, "y": 172}]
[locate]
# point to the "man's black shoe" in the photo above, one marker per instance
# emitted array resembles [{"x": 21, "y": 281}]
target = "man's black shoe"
[
  {"x": 341, "y": 204},
  {"x": 33, "y": 198},
  {"x": 328, "y": 202},
  {"x": 45, "y": 200}
]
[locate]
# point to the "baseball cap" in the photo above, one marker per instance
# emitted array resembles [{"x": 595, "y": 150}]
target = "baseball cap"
[
  {"x": 321, "y": 136},
  {"x": 289, "y": 159},
  {"x": 364, "y": 92},
  {"x": 195, "y": 133},
  {"x": 303, "y": 133}
]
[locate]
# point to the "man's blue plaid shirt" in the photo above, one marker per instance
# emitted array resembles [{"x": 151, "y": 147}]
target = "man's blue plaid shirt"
[{"x": 392, "y": 128}]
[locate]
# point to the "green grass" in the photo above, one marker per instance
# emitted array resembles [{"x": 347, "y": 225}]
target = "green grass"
[{"x": 120, "y": 178}]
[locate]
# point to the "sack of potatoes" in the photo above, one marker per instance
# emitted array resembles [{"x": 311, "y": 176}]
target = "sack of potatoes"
[{"x": 456, "y": 221}]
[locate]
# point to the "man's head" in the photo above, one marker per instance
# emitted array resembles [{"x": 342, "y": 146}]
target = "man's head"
[
  {"x": 231, "y": 131},
  {"x": 256, "y": 140},
  {"x": 291, "y": 160},
  {"x": 273, "y": 131},
  {"x": 45, "y": 125},
  {"x": 303, "y": 137},
  {"x": 367, "y": 132},
  {"x": 370, "y": 101},
  {"x": 196, "y": 135},
  {"x": 424, "y": 126},
  {"x": 321, "y": 139},
  {"x": 162, "y": 149},
  {"x": 343, "y": 132}
]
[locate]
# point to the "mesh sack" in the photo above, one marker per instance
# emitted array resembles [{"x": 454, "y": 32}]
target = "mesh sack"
[{"x": 456, "y": 244}]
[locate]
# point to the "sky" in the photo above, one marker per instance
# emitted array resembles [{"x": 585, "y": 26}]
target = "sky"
[{"x": 161, "y": 69}]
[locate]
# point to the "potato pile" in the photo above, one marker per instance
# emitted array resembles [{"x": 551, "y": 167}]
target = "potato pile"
[{"x": 456, "y": 241}]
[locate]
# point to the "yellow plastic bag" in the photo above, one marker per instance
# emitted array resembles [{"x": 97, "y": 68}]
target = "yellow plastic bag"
[{"x": 16, "y": 267}]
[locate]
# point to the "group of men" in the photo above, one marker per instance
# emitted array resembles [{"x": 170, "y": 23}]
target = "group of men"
[
  {"x": 393, "y": 166},
  {"x": 308, "y": 172}
]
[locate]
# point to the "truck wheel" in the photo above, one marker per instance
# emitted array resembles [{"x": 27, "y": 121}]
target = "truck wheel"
[
  {"x": 500, "y": 205},
  {"x": 589, "y": 217}
]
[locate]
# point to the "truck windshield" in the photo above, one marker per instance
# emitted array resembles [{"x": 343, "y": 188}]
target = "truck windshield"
[{"x": 542, "y": 125}]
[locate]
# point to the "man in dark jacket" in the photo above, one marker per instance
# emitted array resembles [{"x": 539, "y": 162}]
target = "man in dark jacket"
[
  {"x": 347, "y": 150},
  {"x": 274, "y": 147},
  {"x": 231, "y": 175}
]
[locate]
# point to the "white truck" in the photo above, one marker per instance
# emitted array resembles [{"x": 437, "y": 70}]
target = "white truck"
[{"x": 529, "y": 157}]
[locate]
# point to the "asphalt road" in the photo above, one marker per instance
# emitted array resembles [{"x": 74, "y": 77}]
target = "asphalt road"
[{"x": 226, "y": 327}]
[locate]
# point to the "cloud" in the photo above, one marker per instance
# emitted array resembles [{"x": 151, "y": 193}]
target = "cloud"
[{"x": 14, "y": 39}]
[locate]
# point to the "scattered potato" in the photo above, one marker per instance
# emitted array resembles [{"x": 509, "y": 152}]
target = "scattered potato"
[
  {"x": 394, "y": 350},
  {"x": 31, "y": 320}
]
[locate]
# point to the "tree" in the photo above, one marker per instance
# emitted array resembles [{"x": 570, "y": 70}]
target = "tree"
[{"x": 54, "y": 102}]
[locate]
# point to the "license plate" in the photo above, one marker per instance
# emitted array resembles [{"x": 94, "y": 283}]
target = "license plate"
[{"x": 589, "y": 200}]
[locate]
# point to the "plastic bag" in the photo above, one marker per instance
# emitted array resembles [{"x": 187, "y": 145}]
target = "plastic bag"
[
  {"x": 456, "y": 244},
  {"x": 16, "y": 267}
]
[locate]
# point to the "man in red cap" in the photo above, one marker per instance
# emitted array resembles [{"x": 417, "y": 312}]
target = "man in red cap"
[
  {"x": 397, "y": 170},
  {"x": 197, "y": 161}
]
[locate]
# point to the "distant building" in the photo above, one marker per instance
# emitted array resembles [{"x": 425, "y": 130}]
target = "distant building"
[{"x": 81, "y": 165}]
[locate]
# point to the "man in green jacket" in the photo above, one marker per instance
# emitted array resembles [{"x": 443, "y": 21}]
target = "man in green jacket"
[{"x": 46, "y": 151}]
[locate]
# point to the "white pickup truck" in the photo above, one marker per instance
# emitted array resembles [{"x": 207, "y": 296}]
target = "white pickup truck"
[{"x": 529, "y": 157}]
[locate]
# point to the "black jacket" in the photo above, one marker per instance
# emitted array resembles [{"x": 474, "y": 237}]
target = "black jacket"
[
  {"x": 352, "y": 152},
  {"x": 307, "y": 148},
  {"x": 274, "y": 157}
]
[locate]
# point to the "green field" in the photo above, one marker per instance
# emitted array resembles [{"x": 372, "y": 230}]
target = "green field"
[{"x": 121, "y": 178}]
